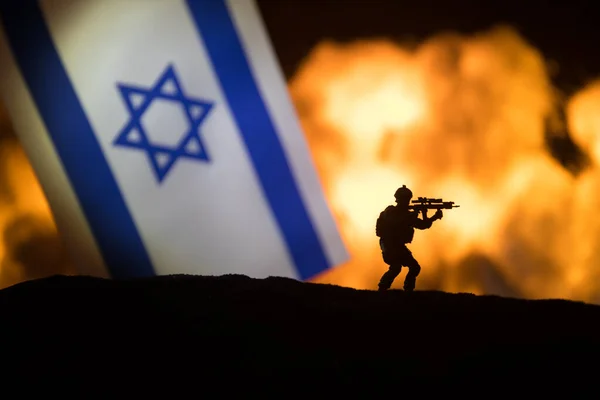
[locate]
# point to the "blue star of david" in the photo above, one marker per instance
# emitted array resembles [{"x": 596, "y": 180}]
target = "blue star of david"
[{"x": 134, "y": 136}]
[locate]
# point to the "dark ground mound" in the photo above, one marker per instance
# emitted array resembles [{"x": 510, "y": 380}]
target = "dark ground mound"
[{"x": 234, "y": 333}]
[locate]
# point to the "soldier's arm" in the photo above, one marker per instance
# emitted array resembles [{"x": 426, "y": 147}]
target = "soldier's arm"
[{"x": 424, "y": 223}]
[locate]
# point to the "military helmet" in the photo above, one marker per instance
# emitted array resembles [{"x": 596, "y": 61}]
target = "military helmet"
[{"x": 403, "y": 194}]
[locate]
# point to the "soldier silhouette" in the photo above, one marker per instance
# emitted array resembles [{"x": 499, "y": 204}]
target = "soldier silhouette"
[{"x": 395, "y": 228}]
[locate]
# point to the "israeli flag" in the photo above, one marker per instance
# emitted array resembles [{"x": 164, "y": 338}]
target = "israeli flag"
[{"x": 164, "y": 137}]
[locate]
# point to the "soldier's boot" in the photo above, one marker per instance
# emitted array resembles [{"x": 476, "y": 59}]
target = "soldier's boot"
[{"x": 384, "y": 284}]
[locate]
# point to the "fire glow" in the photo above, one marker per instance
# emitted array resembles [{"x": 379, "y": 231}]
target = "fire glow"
[{"x": 459, "y": 118}]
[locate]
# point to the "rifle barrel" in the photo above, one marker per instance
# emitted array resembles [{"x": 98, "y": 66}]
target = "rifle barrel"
[{"x": 432, "y": 205}]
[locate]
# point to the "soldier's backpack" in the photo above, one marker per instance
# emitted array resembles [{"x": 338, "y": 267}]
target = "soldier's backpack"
[
  {"x": 394, "y": 225},
  {"x": 384, "y": 226}
]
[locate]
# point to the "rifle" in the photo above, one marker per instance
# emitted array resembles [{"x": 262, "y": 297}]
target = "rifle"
[{"x": 426, "y": 203}]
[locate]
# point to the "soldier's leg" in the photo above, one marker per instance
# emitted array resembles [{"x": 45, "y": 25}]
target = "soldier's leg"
[
  {"x": 388, "y": 278},
  {"x": 390, "y": 257},
  {"x": 413, "y": 271}
]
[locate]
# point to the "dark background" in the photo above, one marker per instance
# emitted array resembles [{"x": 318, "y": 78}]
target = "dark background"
[{"x": 564, "y": 31}]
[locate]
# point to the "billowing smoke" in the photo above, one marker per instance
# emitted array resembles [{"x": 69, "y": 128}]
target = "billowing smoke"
[{"x": 461, "y": 118}]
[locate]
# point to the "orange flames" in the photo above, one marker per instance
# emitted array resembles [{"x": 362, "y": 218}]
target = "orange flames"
[
  {"x": 461, "y": 118},
  {"x": 29, "y": 244}
]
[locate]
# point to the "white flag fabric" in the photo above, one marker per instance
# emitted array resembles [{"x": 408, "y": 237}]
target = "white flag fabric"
[{"x": 164, "y": 137}]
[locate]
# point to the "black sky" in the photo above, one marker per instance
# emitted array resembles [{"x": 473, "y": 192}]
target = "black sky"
[{"x": 564, "y": 31}]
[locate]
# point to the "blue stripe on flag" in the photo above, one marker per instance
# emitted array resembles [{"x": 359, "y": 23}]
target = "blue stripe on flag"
[
  {"x": 74, "y": 140},
  {"x": 225, "y": 50}
]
